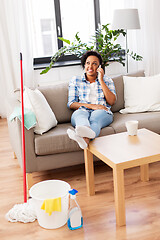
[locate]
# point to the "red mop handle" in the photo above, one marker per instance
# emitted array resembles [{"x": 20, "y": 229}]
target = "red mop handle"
[{"x": 23, "y": 135}]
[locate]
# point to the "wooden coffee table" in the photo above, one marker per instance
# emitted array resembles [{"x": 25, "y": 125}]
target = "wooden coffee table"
[{"x": 120, "y": 151}]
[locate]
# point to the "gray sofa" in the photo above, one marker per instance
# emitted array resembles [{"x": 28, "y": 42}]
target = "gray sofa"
[{"x": 54, "y": 149}]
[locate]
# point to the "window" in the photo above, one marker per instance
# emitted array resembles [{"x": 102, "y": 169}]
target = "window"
[
  {"x": 44, "y": 28},
  {"x": 79, "y": 19},
  {"x": 48, "y": 35},
  {"x": 107, "y": 9},
  {"x": 54, "y": 18}
]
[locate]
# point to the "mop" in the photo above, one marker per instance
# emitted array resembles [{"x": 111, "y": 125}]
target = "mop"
[
  {"x": 25, "y": 212},
  {"x": 22, "y": 212}
]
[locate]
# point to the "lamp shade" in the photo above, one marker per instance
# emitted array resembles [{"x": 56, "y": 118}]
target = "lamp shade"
[{"x": 126, "y": 19}]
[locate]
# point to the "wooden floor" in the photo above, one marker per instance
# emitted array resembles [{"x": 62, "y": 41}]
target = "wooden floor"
[{"x": 142, "y": 202}]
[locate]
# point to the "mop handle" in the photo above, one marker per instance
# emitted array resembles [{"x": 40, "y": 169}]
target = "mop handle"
[{"x": 23, "y": 135}]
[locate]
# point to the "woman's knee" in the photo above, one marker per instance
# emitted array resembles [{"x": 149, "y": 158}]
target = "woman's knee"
[
  {"x": 101, "y": 117},
  {"x": 79, "y": 116},
  {"x": 74, "y": 116}
]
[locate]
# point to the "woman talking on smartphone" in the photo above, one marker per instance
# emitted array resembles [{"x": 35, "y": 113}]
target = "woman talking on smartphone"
[{"x": 91, "y": 96}]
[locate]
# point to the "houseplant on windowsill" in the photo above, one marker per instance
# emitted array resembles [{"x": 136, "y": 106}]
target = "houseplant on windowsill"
[{"x": 104, "y": 41}]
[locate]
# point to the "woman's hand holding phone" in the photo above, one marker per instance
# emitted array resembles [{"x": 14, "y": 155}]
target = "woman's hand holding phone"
[{"x": 100, "y": 73}]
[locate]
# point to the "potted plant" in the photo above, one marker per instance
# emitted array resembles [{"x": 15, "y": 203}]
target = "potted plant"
[{"x": 104, "y": 41}]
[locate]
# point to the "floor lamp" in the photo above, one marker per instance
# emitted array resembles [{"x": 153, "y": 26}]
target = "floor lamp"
[{"x": 126, "y": 19}]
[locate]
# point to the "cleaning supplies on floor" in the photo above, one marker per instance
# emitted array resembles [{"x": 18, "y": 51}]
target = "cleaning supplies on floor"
[
  {"x": 55, "y": 211},
  {"x": 51, "y": 202},
  {"x": 24, "y": 212},
  {"x": 52, "y": 205},
  {"x": 75, "y": 219}
]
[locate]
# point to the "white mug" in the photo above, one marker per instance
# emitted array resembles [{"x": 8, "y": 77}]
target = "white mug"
[{"x": 132, "y": 127}]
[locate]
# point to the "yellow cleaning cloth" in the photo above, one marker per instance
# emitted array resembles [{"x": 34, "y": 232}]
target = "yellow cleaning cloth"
[{"x": 51, "y": 205}]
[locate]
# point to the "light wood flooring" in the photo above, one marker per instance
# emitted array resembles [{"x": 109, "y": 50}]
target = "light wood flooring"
[{"x": 142, "y": 201}]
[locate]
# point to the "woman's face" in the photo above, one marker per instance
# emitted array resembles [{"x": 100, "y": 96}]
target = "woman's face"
[{"x": 91, "y": 65}]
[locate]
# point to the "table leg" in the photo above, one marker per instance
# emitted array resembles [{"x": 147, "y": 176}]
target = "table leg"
[
  {"x": 144, "y": 172},
  {"x": 89, "y": 169},
  {"x": 118, "y": 177}
]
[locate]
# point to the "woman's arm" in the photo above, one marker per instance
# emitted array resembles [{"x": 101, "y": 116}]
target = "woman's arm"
[
  {"x": 109, "y": 96},
  {"x": 73, "y": 97},
  {"x": 77, "y": 105}
]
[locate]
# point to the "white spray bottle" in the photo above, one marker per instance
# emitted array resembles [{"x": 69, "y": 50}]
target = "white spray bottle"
[{"x": 75, "y": 219}]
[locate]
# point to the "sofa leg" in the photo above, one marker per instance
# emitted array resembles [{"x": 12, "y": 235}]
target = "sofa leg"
[
  {"x": 30, "y": 182},
  {"x": 15, "y": 157}
]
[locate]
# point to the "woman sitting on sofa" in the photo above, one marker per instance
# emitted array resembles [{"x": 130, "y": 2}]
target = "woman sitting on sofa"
[{"x": 91, "y": 96}]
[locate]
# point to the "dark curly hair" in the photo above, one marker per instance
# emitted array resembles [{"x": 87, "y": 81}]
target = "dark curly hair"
[{"x": 90, "y": 53}]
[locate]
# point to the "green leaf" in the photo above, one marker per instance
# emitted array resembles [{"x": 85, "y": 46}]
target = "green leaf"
[
  {"x": 45, "y": 70},
  {"x": 77, "y": 37},
  {"x": 64, "y": 40}
]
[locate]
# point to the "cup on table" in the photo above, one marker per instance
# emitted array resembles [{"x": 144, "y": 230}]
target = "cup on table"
[{"x": 132, "y": 127}]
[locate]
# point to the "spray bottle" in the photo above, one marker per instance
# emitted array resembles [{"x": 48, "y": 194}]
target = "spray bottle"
[{"x": 75, "y": 219}]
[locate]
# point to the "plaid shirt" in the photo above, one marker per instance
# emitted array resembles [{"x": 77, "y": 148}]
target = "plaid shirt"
[{"x": 79, "y": 91}]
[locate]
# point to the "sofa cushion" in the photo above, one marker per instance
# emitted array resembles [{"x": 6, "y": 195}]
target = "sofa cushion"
[
  {"x": 57, "y": 140},
  {"x": 149, "y": 120},
  {"x": 57, "y": 97},
  {"x": 106, "y": 131},
  {"x": 119, "y": 86},
  {"x": 141, "y": 94},
  {"x": 36, "y": 102}
]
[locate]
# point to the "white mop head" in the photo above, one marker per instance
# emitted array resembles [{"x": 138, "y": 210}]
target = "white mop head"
[{"x": 22, "y": 213}]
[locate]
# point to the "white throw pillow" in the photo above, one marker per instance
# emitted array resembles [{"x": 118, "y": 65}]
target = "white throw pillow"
[
  {"x": 35, "y": 100},
  {"x": 141, "y": 94}
]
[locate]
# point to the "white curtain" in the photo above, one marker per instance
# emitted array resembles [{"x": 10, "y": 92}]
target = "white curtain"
[
  {"x": 15, "y": 37},
  {"x": 146, "y": 40}
]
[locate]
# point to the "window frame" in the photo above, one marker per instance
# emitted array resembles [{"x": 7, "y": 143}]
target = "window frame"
[{"x": 67, "y": 60}]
